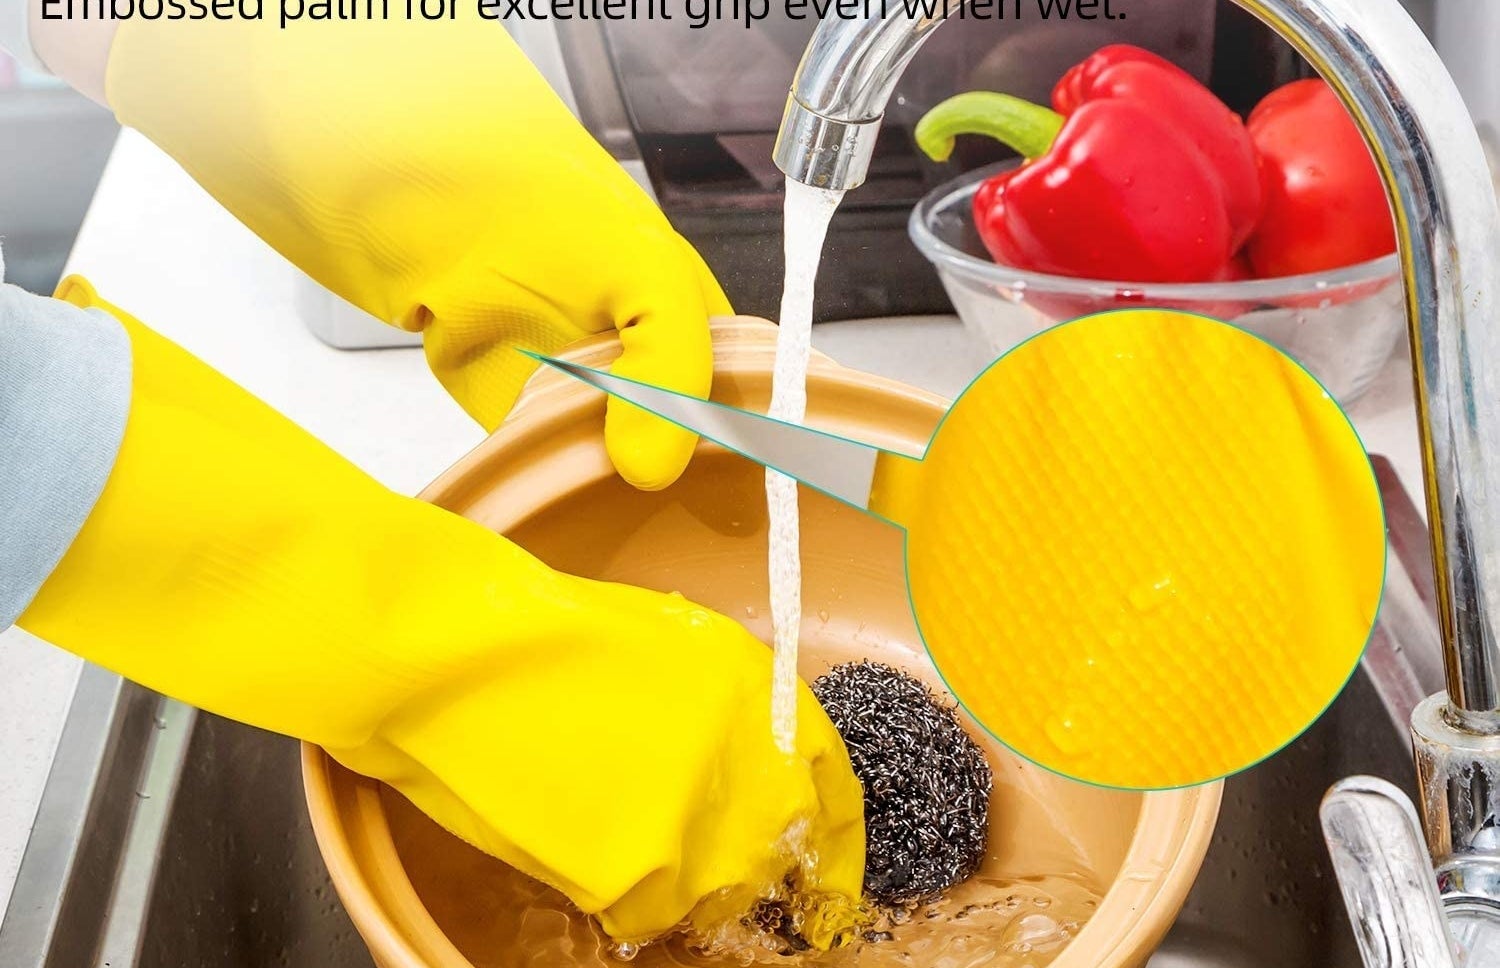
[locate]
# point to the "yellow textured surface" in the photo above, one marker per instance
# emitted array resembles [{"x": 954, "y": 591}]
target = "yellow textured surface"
[{"x": 1145, "y": 549}]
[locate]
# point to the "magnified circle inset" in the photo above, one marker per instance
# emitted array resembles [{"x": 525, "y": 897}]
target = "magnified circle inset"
[{"x": 1145, "y": 549}]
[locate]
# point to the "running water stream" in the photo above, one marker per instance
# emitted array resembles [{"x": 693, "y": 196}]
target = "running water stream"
[{"x": 808, "y": 211}]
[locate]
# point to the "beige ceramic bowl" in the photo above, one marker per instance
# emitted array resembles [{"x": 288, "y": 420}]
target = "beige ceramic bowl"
[{"x": 422, "y": 899}]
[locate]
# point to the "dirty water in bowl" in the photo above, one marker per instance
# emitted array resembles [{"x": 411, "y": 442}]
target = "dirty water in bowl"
[{"x": 1054, "y": 845}]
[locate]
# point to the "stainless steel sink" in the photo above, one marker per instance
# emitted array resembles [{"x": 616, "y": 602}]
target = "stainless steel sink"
[
  {"x": 1266, "y": 896},
  {"x": 171, "y": 838},
  {"x": 174, "y": 839}
]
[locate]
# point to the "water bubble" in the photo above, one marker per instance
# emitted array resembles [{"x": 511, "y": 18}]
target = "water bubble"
[
  {"x": 1063, "y": 732},
  {"x": 1150, "y": 597}
]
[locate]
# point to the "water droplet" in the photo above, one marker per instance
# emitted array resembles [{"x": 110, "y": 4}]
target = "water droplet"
[
  {"x": 1153, "y": 596},
  {"x": 751, "y": 611},
  {"x": 1063, "y": 733},
  {"x": 823, "y": 615},
  {"x": 624, "y": 951}
]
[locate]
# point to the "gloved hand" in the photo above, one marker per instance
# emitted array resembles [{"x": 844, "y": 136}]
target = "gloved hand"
[
  {"x": 426, "y": 172},
  {"x": 611, "y": 741}
]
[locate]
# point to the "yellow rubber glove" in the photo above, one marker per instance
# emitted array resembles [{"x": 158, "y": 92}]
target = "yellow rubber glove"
[
  {"x": 611, "y": 741},
  {"x": 426, "y": 172}
]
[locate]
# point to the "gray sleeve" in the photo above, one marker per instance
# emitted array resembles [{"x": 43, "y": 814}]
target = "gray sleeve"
[{"x": 64, "y": 396}]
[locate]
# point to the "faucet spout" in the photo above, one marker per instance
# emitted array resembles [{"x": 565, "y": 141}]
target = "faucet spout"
[
  {"x": 1448, "y": 228},
  {"x": 839, "y": 94}
]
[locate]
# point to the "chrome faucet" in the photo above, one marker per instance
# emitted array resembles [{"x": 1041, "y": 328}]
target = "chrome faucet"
[{"x": 1437, "y": 176}]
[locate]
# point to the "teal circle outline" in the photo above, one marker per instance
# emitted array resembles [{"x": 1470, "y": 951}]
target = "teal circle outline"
[{"x": 1358, "y": 659}]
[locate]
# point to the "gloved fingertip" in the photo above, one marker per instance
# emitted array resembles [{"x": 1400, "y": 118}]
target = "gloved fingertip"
[
  {"x": 647, "y": 451},
  {"x": 669, "y": 347}
]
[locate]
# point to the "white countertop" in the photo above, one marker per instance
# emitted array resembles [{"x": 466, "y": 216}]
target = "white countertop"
[{"x": 158, "y": 246}]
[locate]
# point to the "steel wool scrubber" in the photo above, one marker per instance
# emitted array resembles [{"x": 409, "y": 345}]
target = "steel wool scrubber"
[{"x": 926, "y": 782}]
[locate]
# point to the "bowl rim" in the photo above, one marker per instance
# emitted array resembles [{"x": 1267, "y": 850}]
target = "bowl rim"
[{"x": 946, "y": 256}]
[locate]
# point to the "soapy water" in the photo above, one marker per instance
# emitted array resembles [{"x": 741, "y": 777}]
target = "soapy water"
[{"x": 808, "y": 212}]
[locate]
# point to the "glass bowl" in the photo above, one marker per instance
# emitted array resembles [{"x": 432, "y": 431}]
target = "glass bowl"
[{"x": 1341, "y": 325}]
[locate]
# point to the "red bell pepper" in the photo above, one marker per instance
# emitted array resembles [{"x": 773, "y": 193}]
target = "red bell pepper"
[
  {"x": 1325, "y": 204},
  {"x": 1116, "y": 190},
  {"x": 1129, "y": 73}
]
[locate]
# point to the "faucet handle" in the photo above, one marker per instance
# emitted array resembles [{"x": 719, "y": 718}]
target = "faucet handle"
[{"x": 1385, "y": 876}]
